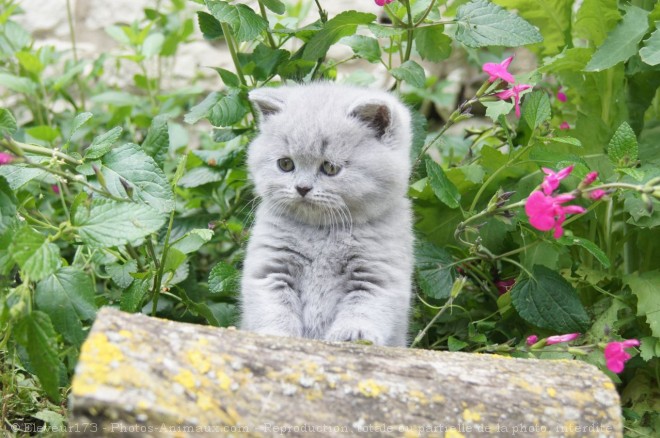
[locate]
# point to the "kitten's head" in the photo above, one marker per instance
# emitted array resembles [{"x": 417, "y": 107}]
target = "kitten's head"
[{"x": 329, "y": 154}]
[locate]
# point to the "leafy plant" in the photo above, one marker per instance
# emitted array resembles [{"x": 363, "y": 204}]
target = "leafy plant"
[{"x": 103, "y": 204}]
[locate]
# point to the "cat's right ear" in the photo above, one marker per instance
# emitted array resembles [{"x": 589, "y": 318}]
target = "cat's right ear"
[{"x": 267, "y": 101}]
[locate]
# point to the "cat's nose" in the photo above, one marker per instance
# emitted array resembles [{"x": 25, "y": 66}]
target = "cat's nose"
[{"x": 303, "y": 190}]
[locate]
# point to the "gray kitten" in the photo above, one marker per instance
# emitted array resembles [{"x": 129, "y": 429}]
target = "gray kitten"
[{"x": 330, "y": 254}]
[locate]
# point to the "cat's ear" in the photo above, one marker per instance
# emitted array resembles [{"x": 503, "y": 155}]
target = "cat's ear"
[
  {"x": 267, "y": 101},
  {"x": 377, "y": 115}
]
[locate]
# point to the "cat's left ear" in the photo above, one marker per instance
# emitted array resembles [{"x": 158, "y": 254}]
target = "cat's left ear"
[
  {"x": 377, "y": 115},
  {"x": 267, "y": 101}
]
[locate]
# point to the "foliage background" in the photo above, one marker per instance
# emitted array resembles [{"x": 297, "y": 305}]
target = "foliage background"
[{"x": 135, "y": 195}]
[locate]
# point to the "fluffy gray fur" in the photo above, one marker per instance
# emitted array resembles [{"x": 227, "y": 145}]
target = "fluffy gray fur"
[{"x": 336, "y": 263}]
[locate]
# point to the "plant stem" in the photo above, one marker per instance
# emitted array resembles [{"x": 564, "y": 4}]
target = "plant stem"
[
  {"x": 262, "y": 9},
  {"x": 161, "y": 266},
  {"x": 19, "y": 148},
  {"x": 232, "y": 51},
  {"x": 442, "y": 310},
  {"x": 410, "y": 28},
  {"x": 74, "y": 49},
  {"x": 425, "y": 14},
  {"x": 494, "y": 174}
]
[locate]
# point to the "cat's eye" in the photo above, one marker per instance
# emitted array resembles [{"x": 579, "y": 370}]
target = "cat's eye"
[
  {"x": 285, "y": 164},
  {"x": 329, "y": 168}
]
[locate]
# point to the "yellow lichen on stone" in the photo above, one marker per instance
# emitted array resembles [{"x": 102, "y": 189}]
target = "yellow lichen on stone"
[
  {"x": 419, "y": 395},
  {"x": 224, "y": 381},
  {"x": 551, "y": 392},
  {"x": 126, "y": 334},
  {"x": 369, "y": 388},
  {"x": 204, "y": 402},
  {"x": 437, "y": 398},
  {"x": 469, "y": 415},
  {"x": 453, "y": 434},
  {"x": 608, "y": 385},
  {"x": 186, "y": 379},
  {"x": 96, "y": 356},
  {"x": 409, "y": 433},
  {"x": 198, "y": 360}
]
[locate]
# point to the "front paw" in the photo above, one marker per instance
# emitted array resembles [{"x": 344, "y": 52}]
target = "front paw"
[{"x": 358, "y": 335}]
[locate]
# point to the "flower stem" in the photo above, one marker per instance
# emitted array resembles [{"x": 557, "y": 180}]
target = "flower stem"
[
  {"x": 19, "y": 149},
  {"x": 442, "y": 310}
]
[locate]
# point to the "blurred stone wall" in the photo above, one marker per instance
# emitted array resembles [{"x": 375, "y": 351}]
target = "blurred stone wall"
[{"x": 47, "y": 21}]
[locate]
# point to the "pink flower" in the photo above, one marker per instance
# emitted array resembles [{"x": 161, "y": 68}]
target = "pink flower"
[
  {"x": 504, "y": 286},
  {"x": 561, "y": 338},
  {"x": 498, "y": 71},
  {"x": 55, "y": 189},
  {"x": 383, "y": 2},
  {"x": 546, "y": 212},
  {"x": 565, "y": 126},
  {"x": 532, "y": 339},
  {"x": 589, "y": 179},
  {"x": 515, "y": 93},
  {"x": 561, "y": 96},
  {"x": 616, "y": 356},
  {"x": 552, "y": 178},
  {"x": 595, "y": 195},
  {"x": 5, "y": 158}
]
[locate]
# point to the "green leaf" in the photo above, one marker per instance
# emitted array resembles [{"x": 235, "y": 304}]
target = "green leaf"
[
  {"x": 363, "y": 46},
  {"x": 102, "y": 144},
  {"x": 67, "y": 296},
  {"x": 482, "y": 23},
  {"x": 649, "y": 348},
  {"x": 199, "y": 309},
  {"x": 133, "y": 297},
  {"x": 564, "y": 140},
  {"x": 193, "y": 240},
  {"x": 551, "y": 17},
  {"x": 444, "y": 189},
  {"x": 595, "y": 18},
  {"x": 266, "y": 60},
  {"x": 8, "y": 124},
  {"x": 342, "y": 25},
  {"x": 117, "y": 98},
  {"x": 43, "y": 132},
  {"x": 598, "y": 253},
  {"x": 108, "y": 223},
  {"x": 149, "y": 183},
  {"x": 645, "y": 287},
  {"x": 35, "y": 333},
  {"x": 210, "y": 27},
  {"x": 536, "y": 109},
  {"x": 78, "y": 122},
  {"x": 35, "y": 254},
  {"x": 228, "y": 78},
  {"x": 548, "y": 301},
  {"x": 434, "y": 271},
  {"x": 432, "y": 44},
  {"x": 8, "y": 204},
  {"x": 622, "y": 42},
  {"x": 410, "y": 72},
  {"x": 623, "y": 148},
  {"x": 650, "y": 53},
  {"x": 121, "y": 274},
  {"x": 224, "y": 279},
  {"x": 245, "y": 23},
  {"x": 228, "y": 110},
  {"x": 18, "y": 84},
  {"x": 157, "y": 141},
  {"x": 199, "y": 176},
  {"x": 153, "y": 44},
  {"x": 275, "y": 5},
  {"x": 200, "y": 110},
  {"x": 455, "y": 344}
]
